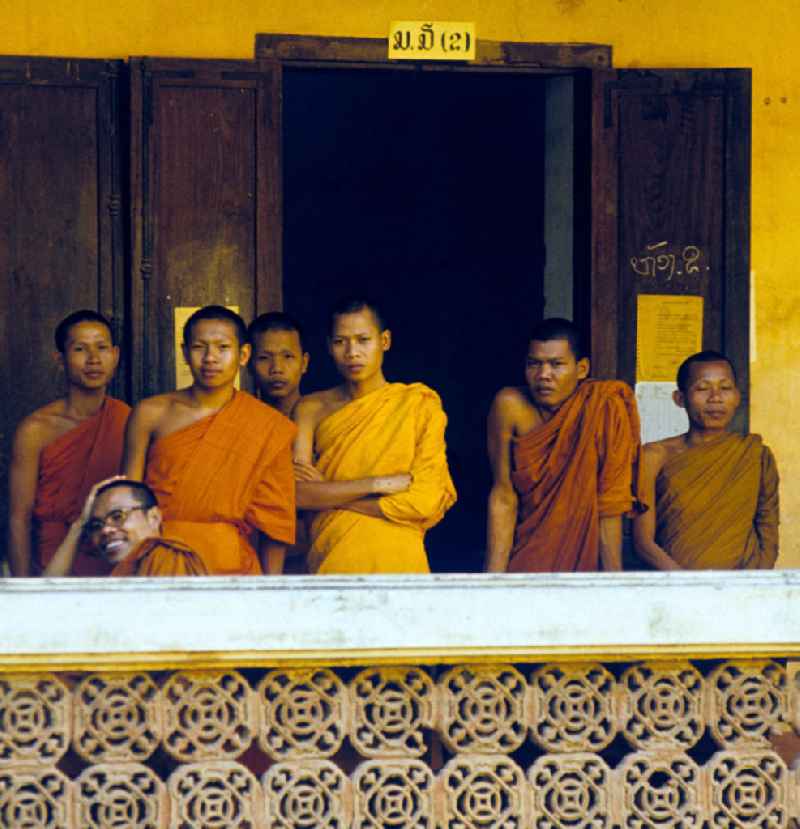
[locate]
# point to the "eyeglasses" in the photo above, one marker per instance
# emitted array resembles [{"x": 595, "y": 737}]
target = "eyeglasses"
[{"x": 117, "y": 517}]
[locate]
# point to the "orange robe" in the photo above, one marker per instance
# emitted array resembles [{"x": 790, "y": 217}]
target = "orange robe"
[
  {"x": 717, "y": 505},
  {"x": 161, "y": 557},
  {"x": 220, "y": 480},
  {"x": 571, "y": 471},
  {"x": 396, "y": 428},
  {"x": 68, "y": 468}
]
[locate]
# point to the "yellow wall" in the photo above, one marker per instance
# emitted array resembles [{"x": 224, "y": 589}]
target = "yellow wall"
[{"x": 656, "y": 33}]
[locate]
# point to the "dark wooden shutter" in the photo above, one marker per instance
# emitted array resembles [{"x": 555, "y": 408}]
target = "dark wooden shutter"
[
  {"x": 670, "y": 162},
  {"x": 61, "y": 239},
  {"x": 206, "y": 198}
]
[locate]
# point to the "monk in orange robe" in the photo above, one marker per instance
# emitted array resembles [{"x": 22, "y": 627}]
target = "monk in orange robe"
[
  {"x": 218, "y": 460},
  {"x": 121, "y": 524},
  {"x": 370, "y": 457},
  {"x": 61, "y": 450},
  {"x": 564, "y": 455},
  {"x": 713, "y": 494}
]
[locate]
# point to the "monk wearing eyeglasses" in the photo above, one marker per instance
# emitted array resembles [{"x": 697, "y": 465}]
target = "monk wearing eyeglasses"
[{"x": 121, "y": 524}]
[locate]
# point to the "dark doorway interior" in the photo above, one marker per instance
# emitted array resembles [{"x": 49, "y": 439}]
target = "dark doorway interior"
[{"x": 426, "y": 191}]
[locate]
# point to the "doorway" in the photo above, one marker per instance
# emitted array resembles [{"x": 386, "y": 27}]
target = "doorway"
[{"x": 437, "y": 194}]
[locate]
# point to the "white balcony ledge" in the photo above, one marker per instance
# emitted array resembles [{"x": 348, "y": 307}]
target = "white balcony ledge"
[{"x": 105, "y": 623}]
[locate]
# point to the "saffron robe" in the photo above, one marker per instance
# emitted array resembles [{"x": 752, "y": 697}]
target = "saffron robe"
[
  {"x": 397, "y": 428},
  {"x": 161, "y": 557},
  {"x": 571, "y": 471},
  {"x": 223, "y": 478},
  {"x": 68, "y": 468},
  {"x": 717, "y": 505}
]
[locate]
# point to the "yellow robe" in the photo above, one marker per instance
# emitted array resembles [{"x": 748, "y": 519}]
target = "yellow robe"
[
  {"x": 717, "y": 505},
  {"x": 397, "y": 428}
]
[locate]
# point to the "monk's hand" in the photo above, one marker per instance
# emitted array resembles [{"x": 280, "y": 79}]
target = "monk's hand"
[
  {"x": 307, "y": 472},
  {"x": 391, "y": 484},
  {"x": 88, "y": 504}
]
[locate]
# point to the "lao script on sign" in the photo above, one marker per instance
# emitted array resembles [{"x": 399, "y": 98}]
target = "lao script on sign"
[
  {"x": 425, "y": 40},
  {"x": 668, "y": 329}
]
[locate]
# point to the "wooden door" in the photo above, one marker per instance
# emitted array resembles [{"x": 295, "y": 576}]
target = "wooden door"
[
  {"x": 205, "y": 162},
  {"x": 61, "y": 239},
  {"x": 670, "y": 207}
]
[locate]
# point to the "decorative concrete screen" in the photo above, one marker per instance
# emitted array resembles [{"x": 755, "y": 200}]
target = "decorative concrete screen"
[{"x": 294, "y": 740}]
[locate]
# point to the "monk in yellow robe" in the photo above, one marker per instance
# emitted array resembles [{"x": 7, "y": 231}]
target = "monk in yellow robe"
[
  {"x": 65, "y": 447},
  {"x": 218, "y": 460},
  {"x": 121, "y": 524},
  {"x": 564, "y": 453},
  {"x": 370, "y": 457},
  {"x": 713, "y": 494}
]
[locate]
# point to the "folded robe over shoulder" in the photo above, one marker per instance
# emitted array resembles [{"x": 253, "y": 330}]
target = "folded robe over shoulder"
[
  {"x": 68, "y": 468},
  {"x": 397, "y": 428},
  {"x": 571, "y": 471},
  {"x": 717, "y": 505},
  {"x": 219, "y": 480},
  {"x": 161, "y": 557}
]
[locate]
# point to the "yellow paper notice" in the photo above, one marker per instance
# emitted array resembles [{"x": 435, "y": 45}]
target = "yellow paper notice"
[
  {"x": 426, "y": 40},
  {"x": 668, "y": 329},
  {"x": 183, "y": 377}
]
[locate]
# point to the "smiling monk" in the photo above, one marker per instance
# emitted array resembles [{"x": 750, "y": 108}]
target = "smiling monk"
[
  {"x": 61, "y": 450},
  {"x": 218, "y": 460},
  {"x": 370, "y": 457},
  {"x": 121, "y": 524},
  {"x": 563, "y": 451},
  {"x": 713, "y": 493}
]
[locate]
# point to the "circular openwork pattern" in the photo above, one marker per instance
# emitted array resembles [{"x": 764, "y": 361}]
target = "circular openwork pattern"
[
  {"x": 207, "y": 715},
  {"x": 391, "y": 709},
  {"x": 483, "y": 709},
  {"x": 748, "y": 790},
  {"x": 121, "y": 795},
  {"x": 662, "y": 706},
  {"x": 748, "y": 699},
  {"x": 220, "y": 795},
  {"x": 485, "y": 792},
  {"x": 660, "y": 790},
  {"x": 571, "y": 791},
  {"x": 35, "y": 719},
  {"x": 34, "y": 797},
  {"x": 314, "y": 794},
  {"x": 393, "y": 793},
  {"x": 304, "y": 714},
  {"x": 573, "y": 707},
  {"x": 117, "y": 718}
]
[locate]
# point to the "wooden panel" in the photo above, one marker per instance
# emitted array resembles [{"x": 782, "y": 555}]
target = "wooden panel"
[
  {"x": 286, "y": 47},
  {"x": 680, "y": 197},
  {"x": 207, "y": 198},
  {"x": 61, "y": 245}
]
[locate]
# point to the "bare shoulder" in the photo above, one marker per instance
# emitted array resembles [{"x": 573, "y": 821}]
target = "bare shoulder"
[
  {"x": 318, "y": 405},
  {"x": 510, "y": 403},
  {"x": 42, "y": 426},
  {"x": 153, "y": 410},
  {"x": 158, "y": 404},
  {"x": 657, "y": 453}
]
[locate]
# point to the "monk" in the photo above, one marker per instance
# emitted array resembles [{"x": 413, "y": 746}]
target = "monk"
[
  {"x": 712, "y": 493},
  {"x": 121, "y": 522},
  {"x": 62, "y": 449},
  {"x": 563, "y": 451},
  {"x": 218, "y": 460},
  {"x": 370, "y": 457},
  {"x": 277, "y": 361}
]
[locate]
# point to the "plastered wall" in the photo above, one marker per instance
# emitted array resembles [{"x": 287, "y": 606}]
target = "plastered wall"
[{"x": 658, "y": 33}]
